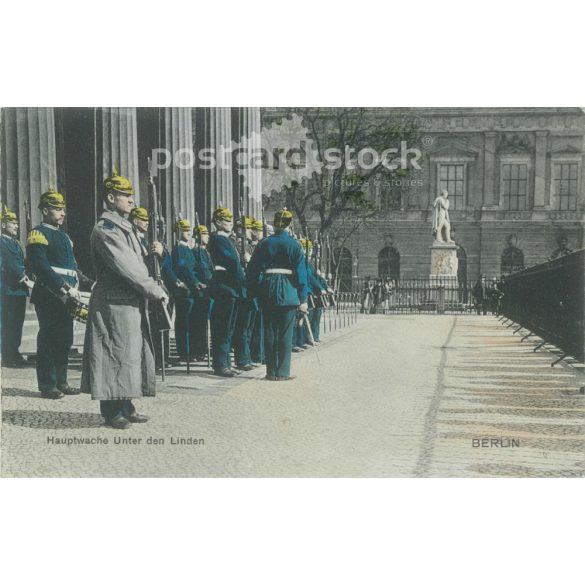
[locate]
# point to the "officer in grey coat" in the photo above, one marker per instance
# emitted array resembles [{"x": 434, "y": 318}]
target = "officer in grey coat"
[{"x": 118, "y": 362}]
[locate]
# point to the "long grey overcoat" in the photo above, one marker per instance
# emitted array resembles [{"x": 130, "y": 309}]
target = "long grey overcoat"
[{"x": 118, "y": 357}]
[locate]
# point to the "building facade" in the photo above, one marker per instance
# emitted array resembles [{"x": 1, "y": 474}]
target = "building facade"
[{"x": 515, "y": 182}]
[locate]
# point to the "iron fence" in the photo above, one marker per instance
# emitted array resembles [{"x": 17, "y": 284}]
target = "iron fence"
[
  {"x": 548, "y": 300},
  {"x": 425, "y": 296}
]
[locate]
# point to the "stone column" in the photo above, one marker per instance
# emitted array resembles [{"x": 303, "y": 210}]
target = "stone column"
[
  {"x": 247, "y": 179},
  {"x": 213, "y": 177},
  {"x": 28, "y": 160},
  {"x": 540, "y": 168},
  {"x": 491, "y": 195},
  {"x": 116, "y": 144},
  {"x": 177, "y": 182}
]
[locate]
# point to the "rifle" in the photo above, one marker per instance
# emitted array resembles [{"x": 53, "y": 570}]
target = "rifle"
[
  {"x": 329, "y": 259},
  {"x": 160, "y": 318},
  {"x": 198, "y": 241},
  {"x": 243, "y": 234},
  {"x": 264, "y": 226},
  {"x": 310, "y": 299}
]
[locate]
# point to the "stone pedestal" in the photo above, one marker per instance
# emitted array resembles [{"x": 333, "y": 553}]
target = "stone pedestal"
[{"x": 443, "y": 278}]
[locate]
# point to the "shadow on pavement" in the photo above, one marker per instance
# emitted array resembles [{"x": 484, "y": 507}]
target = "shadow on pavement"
[
  {"x": 21, "y": 392},
  {"x": 38, "y": 419}
]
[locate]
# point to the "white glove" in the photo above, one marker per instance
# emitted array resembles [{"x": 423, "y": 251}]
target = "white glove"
[{"x": 74, "y": 293}]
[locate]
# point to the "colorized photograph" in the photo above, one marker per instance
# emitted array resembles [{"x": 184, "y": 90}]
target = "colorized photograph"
[{"x": 292, "y": 292}]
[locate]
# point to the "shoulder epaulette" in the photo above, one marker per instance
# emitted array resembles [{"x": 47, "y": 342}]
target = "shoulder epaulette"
[
  {"x": 36, "y": 237},
  {"x": 107, "y": 224}
]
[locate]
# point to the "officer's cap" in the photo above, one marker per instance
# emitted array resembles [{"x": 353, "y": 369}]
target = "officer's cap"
[
  {"x": 222, "y": 214},
  {"x": 118, "y": 183},
  {"x": 52, "y": 198},
  {"x": 139, "y": 213}
]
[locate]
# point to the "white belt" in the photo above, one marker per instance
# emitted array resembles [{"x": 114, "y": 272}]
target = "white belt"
[
  {"x": 278, "y": 271},
  {"x": 65, "y": 271},
  {"x": 221, "y": 268}
]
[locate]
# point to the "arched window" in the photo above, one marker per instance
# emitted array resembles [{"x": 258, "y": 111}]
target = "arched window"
[
  {"x": 389, "y": 263},
  {"x": 342, "y": 266},
  {"x": 512, "y": 260}
]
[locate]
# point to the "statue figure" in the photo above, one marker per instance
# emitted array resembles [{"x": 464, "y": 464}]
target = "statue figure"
[{"x": 441, "y": 222}]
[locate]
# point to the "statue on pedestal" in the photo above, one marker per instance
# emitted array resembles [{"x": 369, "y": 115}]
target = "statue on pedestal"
[{"x": 441, "y": 222}]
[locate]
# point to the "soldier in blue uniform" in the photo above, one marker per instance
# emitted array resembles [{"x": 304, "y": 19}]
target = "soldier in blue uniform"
[
  {"x": 277, "y": 275},
  {"x": 184, "y": 268},
  {"x": 15, "y": 285},
  {"x": 257, "y": 345},
  {"x": 226, "y": 287},
  {"x": 247, "y": 309},
  {"x": 320, "y": 290},
  {"x": 50, "y": 257},
  {"x": 202, "y": 302}
]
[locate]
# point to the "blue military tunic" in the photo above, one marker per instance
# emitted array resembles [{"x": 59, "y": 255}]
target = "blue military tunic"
[
  {"x": 184, "y": 266},
  {"x": 13, "y": 299},
  {"x": 279, "y": 290},
  {"x": 226, "y": 287},
  {"x": 12, "y": 261},
  {"x": 203, "y": 265},
  {"x": 280, "y": 294},
  {"x": 202, "y": 302},
  {"x": 53, "y": 249},
  {"x": 183, "y": 263},
  {"x": 50, "y": 257}
]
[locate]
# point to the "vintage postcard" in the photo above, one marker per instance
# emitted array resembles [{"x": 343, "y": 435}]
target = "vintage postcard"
[{"x": 292, "y": 292}]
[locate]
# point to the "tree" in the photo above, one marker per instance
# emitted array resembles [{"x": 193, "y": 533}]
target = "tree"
[{"x": 338, "y": 200}]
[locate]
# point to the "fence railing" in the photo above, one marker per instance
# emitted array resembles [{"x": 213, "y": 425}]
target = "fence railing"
[
  {"x": 424, "y": 296},
  {"x": 548, "y": 300}
]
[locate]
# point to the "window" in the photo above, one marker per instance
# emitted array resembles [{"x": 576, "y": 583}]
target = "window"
[
  {"x": 565, "y": 179},
  {"x": 514, "y": 185},
  {"x": 452, "y": 178},
  {"x": 512, "y": 260},
  {"x": 389, "y": 263}
]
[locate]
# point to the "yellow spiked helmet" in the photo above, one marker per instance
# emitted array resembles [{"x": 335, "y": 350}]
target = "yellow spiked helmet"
[
  {"x": 222, "y": 214},
  {"x": 282, "y": 218},
  {"x": 52, "y": 198},
  {"x": 118, "y": 183},
  {"x": 183, "y": 225},
  {"x": 8, "y": 215},
  {"x": 139, "y": 213}
]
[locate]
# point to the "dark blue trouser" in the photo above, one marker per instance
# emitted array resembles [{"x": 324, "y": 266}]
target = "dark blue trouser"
[
  {"x": 278, "y": 339},
  {"x": 54, "y": 340},
  {"x": 199, "y": 326},
  {"x": 315, "y": 320},
  {"x": 223, "y": 322},
  {"x": 257, "y": 346},
  {"x": 12, "y": 320},
  {"x": 243, "y": 332},
  {"x": 183, "y": 326},
  {"x": 111, "y": 408}
]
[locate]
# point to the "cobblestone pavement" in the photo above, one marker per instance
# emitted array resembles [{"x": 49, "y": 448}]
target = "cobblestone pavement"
[{"x": 395, "y": 395}]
